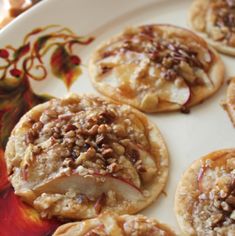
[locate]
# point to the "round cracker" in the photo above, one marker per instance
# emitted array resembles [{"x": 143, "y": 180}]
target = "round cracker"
[
  {"x": 187, "y": 194},
  {"x": 197, "y": 94},
  {"x": 15, "y": 154}
]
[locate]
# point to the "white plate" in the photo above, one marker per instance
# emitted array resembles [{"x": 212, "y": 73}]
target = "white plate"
[{"x": 205, "y": 129}]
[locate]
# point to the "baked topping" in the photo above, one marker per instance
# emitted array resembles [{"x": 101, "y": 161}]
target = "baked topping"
[
  {"x": 109, "y": 224},
  {"x": 64, "y": 148},
  {"x": 91, "y": 137},
  {"x": 155, "y": 63},
  {"x": 218, "y": 21},
  {"x": 140, "y": 225},
  {"x": 215, "y": 209}
]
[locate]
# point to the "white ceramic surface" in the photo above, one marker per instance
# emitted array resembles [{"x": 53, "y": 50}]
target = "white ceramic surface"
[{"x": 205, "y": 129}]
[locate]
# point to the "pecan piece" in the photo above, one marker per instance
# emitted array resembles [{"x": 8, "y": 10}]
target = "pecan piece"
[
  {"x": 30, "y": 136},
  {"x": 101, "y": 139},
  {"x": 70, "y": 127},
  {"x": 93, "y": 130},
  {"x": 37, "y": 126},
  {"x": 107, "y": 117},
  {"x": 90, "y": 152},
  {"x": 107, "y": 153},
  {"x": 231, "y": 200},
  {"x": 51, "y": 113},
  {"x": 133, "y": 155}
]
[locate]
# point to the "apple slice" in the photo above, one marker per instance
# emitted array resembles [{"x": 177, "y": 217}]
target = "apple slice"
[
  {"x": 207, "y": 179},
  {"x": 148, "y": 164},
  {"x": 129, "y": 170},
  {"x": 204, "y": 78},
  {"x": 211, "y": 176},
  {"x": 171, "y": 92},
  {"x": 90, "y": 186}
]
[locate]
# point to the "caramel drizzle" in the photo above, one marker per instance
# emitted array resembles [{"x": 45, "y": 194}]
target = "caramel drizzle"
[{"x": 176, "y": 52}]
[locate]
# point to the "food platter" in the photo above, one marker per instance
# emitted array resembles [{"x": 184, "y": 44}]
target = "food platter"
[{"x": 188, "y": 136}]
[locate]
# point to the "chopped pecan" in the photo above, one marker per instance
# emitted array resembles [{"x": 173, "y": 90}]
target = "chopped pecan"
[
  {"x": 30, "y": 136},
  {"x": 231, "y": 200},
  {"x": 37, "y": 150},
  {"x": 51, "y": 113},
  {"x": 216, "y": 219},
  {"x": 133, "y": 155},
  {"x": 113, "y": 167},
  {"x": 107, "y": 117},
  {"x": 102, "y": 129},
  {"x": 70, "y": 127},
  {"x": 105, "y": 69},
  {"x": 118, "y": 148},
  {"x": 90, "y": 152},
  {"x": 168, "y": 74},
  {"x": 93, "y": 130},
  {"x": 107, "y": 153},
  {"x": 80, "y": 141},
  {"x": 65, "y": 117},
  {"x": 68, "y": 163},
  {"x": 70, "y": 134},
  {"x": 37, "y": 126},
  {"x": 57, "y": 135},
  {"x": 119, "y": 130},
  {"x": 101, "y": 139}
]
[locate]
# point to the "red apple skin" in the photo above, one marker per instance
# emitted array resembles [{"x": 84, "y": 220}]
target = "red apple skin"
[
  {"x": 121, "y": 186},
  {"x": 189, "y": 97},
  {"x": 200, "y": 178},
  {"x": 122, "y": 179}
]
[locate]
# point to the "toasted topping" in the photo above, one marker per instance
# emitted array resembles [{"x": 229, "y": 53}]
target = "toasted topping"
[
  {"x": 219, "y": 20},
  {"x": 109, "y": 224},
  {"x": 153, "y": 64},
  {"x": 91, "y": 137},
  {"x": 87, "y": 154},
  {"x": 214, "y": 210}
]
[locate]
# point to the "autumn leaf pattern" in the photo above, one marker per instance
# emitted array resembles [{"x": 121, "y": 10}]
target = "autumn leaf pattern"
[
  {"x": 17, "y": 66},
  {"x": 64, "y": 66}
]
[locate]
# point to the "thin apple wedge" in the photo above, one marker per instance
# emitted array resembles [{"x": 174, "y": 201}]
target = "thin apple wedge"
[
  {"x": 90, "y": 186},
  {"x": 204, "y": 78},
  {"x": 170, "y": 92},
  {"x": 147, "y": 163}
]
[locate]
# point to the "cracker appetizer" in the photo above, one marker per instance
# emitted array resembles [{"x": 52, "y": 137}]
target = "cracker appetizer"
[
  {"x": 229, "y": 104},
  {"x": 205, "y": 196},
  {"x": 76, "y": 157},
  {"x": 113, "y": 225},
  {"x": 215, "y": 21},
  {"x": 156, "y": 68}
]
